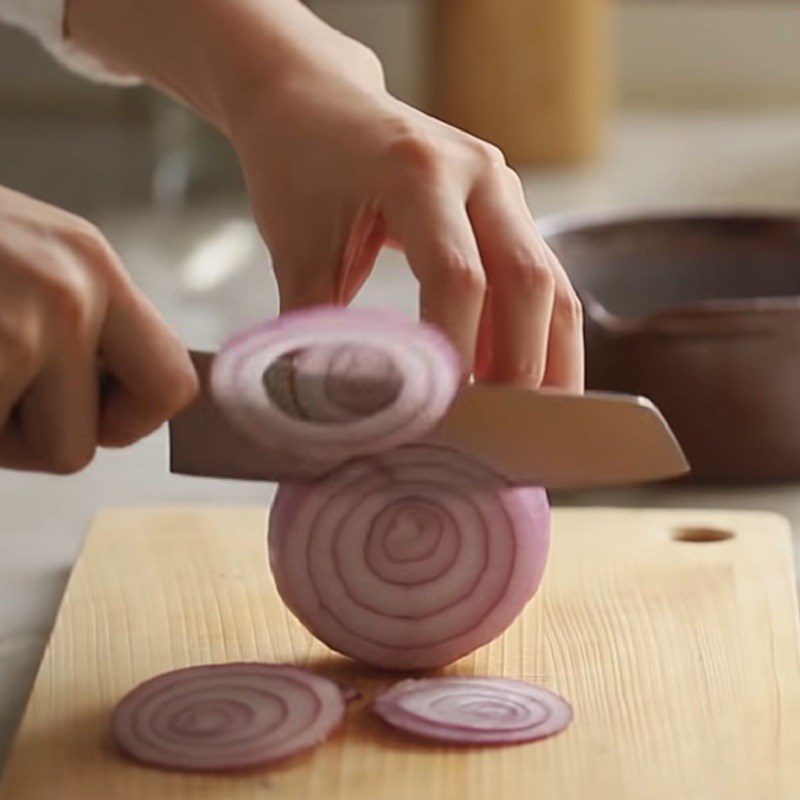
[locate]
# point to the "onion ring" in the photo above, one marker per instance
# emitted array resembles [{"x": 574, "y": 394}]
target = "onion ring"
[
  {"x": 224, "y": 717},
  {"x": 411, "y": 559},
  {"x": 318, "y": 386},
  {"x": 488, "y": 711}
]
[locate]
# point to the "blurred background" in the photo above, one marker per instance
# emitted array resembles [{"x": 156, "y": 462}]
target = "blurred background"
[{"x": 645, "y": 103}]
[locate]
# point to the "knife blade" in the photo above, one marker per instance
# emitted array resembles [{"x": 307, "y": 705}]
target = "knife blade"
[{"x": 544, "y": 438}]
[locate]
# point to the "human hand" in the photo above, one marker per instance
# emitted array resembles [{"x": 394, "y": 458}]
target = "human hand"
[
  {"x": 336, "y": 168},
  {"x": 67, "y": 311}
]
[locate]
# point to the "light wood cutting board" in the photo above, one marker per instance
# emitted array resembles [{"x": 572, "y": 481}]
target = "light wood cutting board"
[{"x": 680, "y": 658}]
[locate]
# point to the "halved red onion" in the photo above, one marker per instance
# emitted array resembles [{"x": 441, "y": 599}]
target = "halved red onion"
[
  {"x": 319, "y": 386},
  {"x": 474, "y": 710},
  {"x": 223, "y": 717},
  {"x": 411, "y": 559}
]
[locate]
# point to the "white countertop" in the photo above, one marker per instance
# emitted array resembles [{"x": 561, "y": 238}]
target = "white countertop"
[{"x": 654, "y": 160}]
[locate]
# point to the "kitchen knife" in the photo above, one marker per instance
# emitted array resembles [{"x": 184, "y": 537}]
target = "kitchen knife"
[{"x": 544, "y": 438}]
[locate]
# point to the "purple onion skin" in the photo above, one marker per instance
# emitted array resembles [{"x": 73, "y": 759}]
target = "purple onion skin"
[
  {"x": 316, "y": 387},
  {"x": 350, "y": 693},
  {"x": 323, "y": 575}
]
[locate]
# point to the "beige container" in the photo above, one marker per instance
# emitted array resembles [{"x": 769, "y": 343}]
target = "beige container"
[{"x": 531, "y": 76}]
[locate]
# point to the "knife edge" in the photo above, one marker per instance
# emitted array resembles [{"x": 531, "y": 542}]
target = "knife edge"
[{"x": 581, "y": 441}]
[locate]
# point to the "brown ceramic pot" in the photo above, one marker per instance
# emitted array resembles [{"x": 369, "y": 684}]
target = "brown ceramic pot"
[{"x": 700, "y": 312}]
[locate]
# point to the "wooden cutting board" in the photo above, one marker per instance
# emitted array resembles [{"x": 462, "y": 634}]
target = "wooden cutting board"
[{"x": 680, "y": 658}]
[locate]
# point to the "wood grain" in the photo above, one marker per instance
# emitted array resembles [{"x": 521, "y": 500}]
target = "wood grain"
[
  {"x": 531, "y": 76},
  {"x": 681, "y": 659}
]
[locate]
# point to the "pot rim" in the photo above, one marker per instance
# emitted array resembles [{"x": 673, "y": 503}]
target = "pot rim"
[
  {"x": 560, "y": 222},
  {"x": 742, "y": 316}
]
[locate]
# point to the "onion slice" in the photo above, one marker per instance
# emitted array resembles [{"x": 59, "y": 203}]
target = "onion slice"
[
  {"x": 318, "y": 386},
  {"x": 350, "y": 693},
  {"x": 473, "y": 710},
  {"x": 223, "y": 717},
  {"x": 411, "y": 559}
]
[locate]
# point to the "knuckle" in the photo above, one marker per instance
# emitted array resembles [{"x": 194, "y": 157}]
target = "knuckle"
[
  {"x": 66, "y": 300},
  {"x": 80, "y": 229},
  {"x": 20, "y": 346},
  {"x": 412, "y": 150},
  {"x": 513, "y": 180},
  {"x": 25, "y": 349},
  {"x": 461, "y": 275},
  {"x": 491, "y": 156},
  {"x": 568, "y": 309},
  {"x": 90, "y": 241},
  {"x": 529, "y": 273},
  {"x": 83, "y": 228},
  {"x": 527, "y": 373},
  {"x": 533, "y": 375},
  {"x": 530, "y": 375}
]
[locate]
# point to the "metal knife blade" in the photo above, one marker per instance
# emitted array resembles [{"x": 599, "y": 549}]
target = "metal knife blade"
[{"x": 543, "y": 438}]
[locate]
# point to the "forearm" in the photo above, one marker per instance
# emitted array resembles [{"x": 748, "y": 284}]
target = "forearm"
[{"x": 214, "y": 55}]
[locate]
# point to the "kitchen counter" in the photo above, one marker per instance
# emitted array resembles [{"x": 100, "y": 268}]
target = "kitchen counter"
[{"x": 208, "y": 272}]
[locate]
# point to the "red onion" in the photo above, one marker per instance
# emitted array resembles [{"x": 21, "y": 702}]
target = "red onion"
[
  {"x": 350, "y": 693},
  {"x": 225, "y": 717},
  {"x": 317, "y": 387},
  {"x": 474, "y": 710},
  {"x": 411, "y": 559}
]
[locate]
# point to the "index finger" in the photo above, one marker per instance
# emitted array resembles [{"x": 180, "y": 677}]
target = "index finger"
[
  {"x": 436, "y": 234},
  {"x": 152, "y": 374},
  {"x": 522, "y": 289}
]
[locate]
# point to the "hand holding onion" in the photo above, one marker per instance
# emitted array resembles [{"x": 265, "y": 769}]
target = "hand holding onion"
[
  {"x": 391, "y": 174},
  {"x": 336, "y": 167}
]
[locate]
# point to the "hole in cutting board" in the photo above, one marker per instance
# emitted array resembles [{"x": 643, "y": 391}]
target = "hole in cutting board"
[{"x": 702, "y": 535}]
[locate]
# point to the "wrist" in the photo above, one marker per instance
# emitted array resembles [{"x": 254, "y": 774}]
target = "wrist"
[{"x": 266, "y": 95}]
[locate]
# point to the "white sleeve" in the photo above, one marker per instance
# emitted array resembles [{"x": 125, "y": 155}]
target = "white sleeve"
[{"x": 45, "y": 20}]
